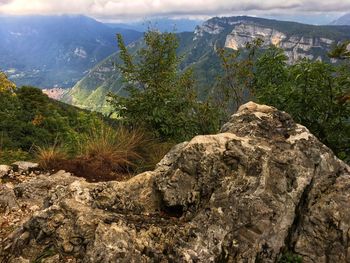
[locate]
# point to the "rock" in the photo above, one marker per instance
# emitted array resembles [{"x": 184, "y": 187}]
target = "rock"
[
  {"x": 7, "y": 199},
  {"x": 25, "y": 167},
  {"x": 4, "y": 170},
  {"x": 263, "y": 187}
]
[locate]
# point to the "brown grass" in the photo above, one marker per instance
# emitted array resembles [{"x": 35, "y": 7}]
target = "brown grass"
[
  {"x": 118, "y": 147},
  {"x": 155, "y": 152},
  {"x": 50, "y": 157},
  {"x": 107, "y": 154}
]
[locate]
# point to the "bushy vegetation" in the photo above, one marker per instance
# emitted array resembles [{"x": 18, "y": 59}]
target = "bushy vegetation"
[
  {"x": 59, "y": 136},
  {"x": 161, "y": 99},
  {"x": 315, "y": 93},
  {"x": 29, "y": 118}
]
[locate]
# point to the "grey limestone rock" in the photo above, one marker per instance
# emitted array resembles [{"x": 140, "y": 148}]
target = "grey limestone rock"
[{"x": 262, "y": 187}]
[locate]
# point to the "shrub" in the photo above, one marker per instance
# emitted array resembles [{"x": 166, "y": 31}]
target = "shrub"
[
  {"x": 160, "y": 97},
  {"x": 119, "y": 147}
]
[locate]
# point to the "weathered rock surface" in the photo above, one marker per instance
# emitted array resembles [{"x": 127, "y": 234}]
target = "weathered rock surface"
[
  {"x": 4, "y": 170},
  {"x": 261, "y": 187},
  {"x": 25, "y": 167}
]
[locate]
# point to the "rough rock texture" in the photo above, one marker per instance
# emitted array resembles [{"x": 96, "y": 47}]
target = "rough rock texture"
[
  {"x": 262, "y": 187},
  {"x": 246, "y": 33},
  {"x": 25, "y": 167}
]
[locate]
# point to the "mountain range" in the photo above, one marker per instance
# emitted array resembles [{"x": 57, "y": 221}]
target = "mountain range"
[
  {"x": 198, "y": 50},
  {"x": 55, "y": 51},
  {"x": 342, "y": 21}
]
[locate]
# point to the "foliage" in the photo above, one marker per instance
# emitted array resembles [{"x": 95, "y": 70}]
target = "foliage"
[
  {"x": 29, "y": 119},
  {"x": 8, "y": 156},
  {"x": 106, "y": 153},
  {"x": 237, "y": 77},
  {"x": 340, "y": 51},
  {"x": 116, "y": 147},
  {"x": 310, "y": 91},
  {"x": 160, "y": 98},
  {"x": 289, "y": 257}
]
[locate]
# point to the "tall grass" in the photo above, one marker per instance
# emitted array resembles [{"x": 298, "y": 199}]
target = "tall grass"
[
  {"x": 50, "y": 157},
  {"x": 105, "y": 153},
  {"x": 119, "y": 148}
]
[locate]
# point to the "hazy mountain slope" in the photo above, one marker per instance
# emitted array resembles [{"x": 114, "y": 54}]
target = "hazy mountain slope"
[
  {"x": 48, "y": 51},
  {"x": 198, "y": 51},
  {"x": 343, "y": 20}
]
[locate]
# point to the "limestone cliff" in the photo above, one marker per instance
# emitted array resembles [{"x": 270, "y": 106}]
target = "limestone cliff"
[
  {"x": 262, "y": 187},
  {"x": 295, "y": 44}
]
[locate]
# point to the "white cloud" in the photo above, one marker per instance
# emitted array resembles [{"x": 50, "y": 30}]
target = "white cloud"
[{"x": 119, "y": 9}]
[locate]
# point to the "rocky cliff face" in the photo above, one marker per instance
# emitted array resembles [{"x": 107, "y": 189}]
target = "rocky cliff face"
[
  {"x": 261, "y": 187},
  {"x": 296, "y": 45}
]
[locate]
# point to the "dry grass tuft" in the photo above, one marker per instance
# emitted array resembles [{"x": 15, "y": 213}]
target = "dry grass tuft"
[
  {"x": 50, "y": 157},
  {"x": 118, "y": 148},
  {"x": 106, "y": 154}
]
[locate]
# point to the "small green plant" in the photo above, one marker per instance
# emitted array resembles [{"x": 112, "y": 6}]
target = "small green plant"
[{"x": 290, "y": 257}]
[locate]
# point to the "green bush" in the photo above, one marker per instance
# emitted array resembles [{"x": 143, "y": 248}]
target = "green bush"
[
  {"x": 161, "y": 99},
  {"x": 290, "y": 257},
  {"x": 310, "y": 91}
]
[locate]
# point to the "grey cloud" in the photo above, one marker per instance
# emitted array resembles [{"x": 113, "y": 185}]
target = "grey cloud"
[{"x": 110, "y": 9}]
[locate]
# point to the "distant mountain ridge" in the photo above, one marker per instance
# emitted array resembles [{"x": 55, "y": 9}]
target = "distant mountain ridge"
[
  {"x": 199, "y": 52},
  {"x": 342, "y": 21},
  {"x": 54, "y": 51}
]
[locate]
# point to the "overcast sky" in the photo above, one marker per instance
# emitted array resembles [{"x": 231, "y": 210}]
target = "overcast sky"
[{"x": 139, "y": 9}]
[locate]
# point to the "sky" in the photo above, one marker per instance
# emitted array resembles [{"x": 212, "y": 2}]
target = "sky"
[{"x": 315, "y": 11}]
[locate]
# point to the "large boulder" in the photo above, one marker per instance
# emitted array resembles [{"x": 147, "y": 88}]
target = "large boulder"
[{"x": 262, "y": 188}]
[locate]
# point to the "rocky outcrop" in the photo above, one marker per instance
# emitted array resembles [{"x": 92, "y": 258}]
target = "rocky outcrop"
[
  {"x": 246, "y": 33},
  {"x": 262, "y": 187},
  {"x": 295, "y": 47}
]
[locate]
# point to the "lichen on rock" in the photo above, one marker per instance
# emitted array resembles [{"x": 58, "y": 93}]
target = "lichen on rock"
[{"x": 260, "y": 188}]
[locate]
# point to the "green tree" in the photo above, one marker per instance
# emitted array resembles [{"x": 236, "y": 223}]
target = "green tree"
[
  {"x": 161, "y": 98},
  {"x": 310, "y": 92},
  {"x": 340, "y": 51},
  {"x": 236, "y": 81}
]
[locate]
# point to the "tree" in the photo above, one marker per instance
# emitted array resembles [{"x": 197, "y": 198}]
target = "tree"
[
  {"x": 310, "y": 92},
  {"x": 236, "y": 82},
  {"x": 340, "y": 51},
  {"x": 160, "y": 97}
]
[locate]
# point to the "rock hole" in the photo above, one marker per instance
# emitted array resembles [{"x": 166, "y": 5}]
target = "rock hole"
[{"x": 174, "y": 211}]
